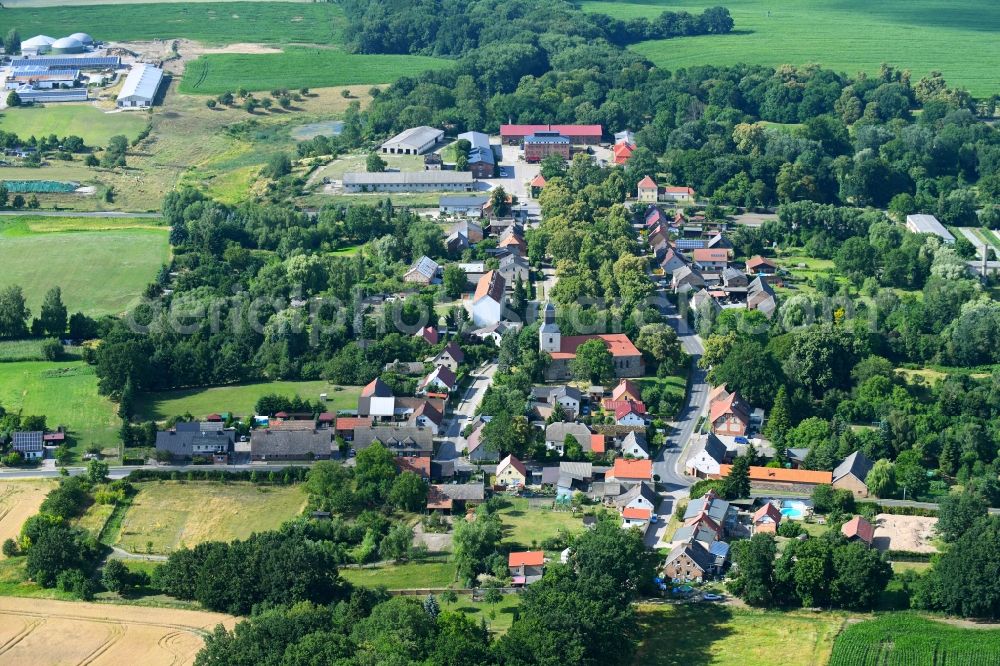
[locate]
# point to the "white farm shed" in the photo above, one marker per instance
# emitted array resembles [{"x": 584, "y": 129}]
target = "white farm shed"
[
  {"x": 140, "y": 87},
  {"x": 414, "y": 141}
]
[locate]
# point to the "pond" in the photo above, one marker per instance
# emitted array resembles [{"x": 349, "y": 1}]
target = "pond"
[{"x": 312, "y": 130}]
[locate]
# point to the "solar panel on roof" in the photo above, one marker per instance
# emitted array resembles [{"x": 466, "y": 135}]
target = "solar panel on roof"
[{"x": 92, "y": 62}]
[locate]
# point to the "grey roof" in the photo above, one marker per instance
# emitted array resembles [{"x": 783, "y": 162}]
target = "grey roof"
[
  {"x": 577, "y": 470},
  {"x": 463, "y": 491},
  {"x": 408, "y": 178},
  {"x": 928, "y": 224},
  {"x": 635, "y": 439},
  {"x": 798, "y": 455},
  {"x": 857, "y": 464},
  {"x": 713, "y": 446},
  {"x": 731, "y": 274},
  {"x": 406, "y": 438},
  {"x": 760, "y": 296},
  {"x": 697, "y": 552},
  {"x": 717, "y": 509},
  {"x": 695, "y": 533},
  {"x": 142, "y": 82},
  {"x": 556, "y": 432},
  {"x": 606, "y": 489},
  {"x": 464, "y": 201},
  {"x": 688, "y": 273},
  {"x": 416, "y": 136},
  {"x": 551, "y": 476},
  {"x": 181, "y": 440},
  {"x": 643, "y": 490},
  {"x": 291, "y": 443},
  {"x": 27, "y": 440}
]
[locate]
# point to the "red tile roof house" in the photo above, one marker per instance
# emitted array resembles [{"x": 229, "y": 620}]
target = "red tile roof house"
[
  {"x": 526, "y": 567},
  {"x": 859, "y": 529},
  {"x": 631, "y": 471},
  {"x": 627, "y": 390},
  {"x": 429, "y": 334},
  {"x": 711, "y": 259},
  {"x": 671, "y": 193},
  {"x": 513, "y": 135},
  {"x": 345, "y": 426},
  {"x": 766, "y": 519},
  {"x": 627, "y": 359},
  {"x": 623, "y": 151},
  {"x": 758, "y": 265},
  {"x": 728, "y": 414},
  {"x": 636, "y": 517},
  {"x": 630, "y": 414},
  {"x": 647, "y": 190}
]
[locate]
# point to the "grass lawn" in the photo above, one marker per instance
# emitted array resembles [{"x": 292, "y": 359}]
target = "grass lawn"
[
  {"x": 526, "y": 527},
  {"x": 217, "y": 73},
  {"x": 93, "y": 125},
  {"x": 99, "y": 272},
  {"x": 702, "y": 634},
  {"x": 498, "y": 619},
  {"x": 239, "y": 399},
  {"x": 411, "y": 575},
  {"x": 336, "y": 169},
  {"x": 21, "y": 350},
  {"x": 215, "y": 23},
  {"x": 173, "y": 514},
  {"x": 847, "y": 35},
  {"x": 66, "y": 393}
]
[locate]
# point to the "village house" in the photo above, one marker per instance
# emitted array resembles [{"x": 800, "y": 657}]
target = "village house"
[
  {"x": 859, "y": 529},
  {"x": 428, "y": 334},
  {"x": 29, "y": 444},
  {"x": 674, "y": 194},
  {"x": 629, "y": 472},
  {"x": 487, "y": 302},
  {"x": 346, "y": 425},
  {"x": 758, "y": 265},
  {"x": 440, "y": 380},
  {"x": 777, "y": 478},
  {"x": 728, "y": 414},
  {"x": 512, "y": 240},
  {"x": 514, "y": 267},
  {"x": 639, "y": 496},
  {"x": 537, "y": 184},
  {"x": 455, "y": 497},
  {"x": 711, "y": 259},
  {"x": 671, "y": 261},
  {"x": 626, "y": 390},
  {"x": 636, "y": 517},
  {"x": 377, "y": 401},
  {"x": 470, "y": 204},
  {"x": 852, "y": 473},
  {"x": 556, "y": 434},
  {"x": 286, "y": 443},
  {"x": 566, "y": 397},
  {"x": 635, "y": 445},
  {"x": 186, "y": 440},
  {"x": 707, "y": 455},
  {"x": 647, "y": 190},
  {"x": 627, "y": 360},
  {"x": 476, "y": 449},
  {"x": 424, "y": 271},
  {"x": 686, "y": 278},
  {"x": 526, "y": 567},
  {"x": 630, "y": 413},
  {"x": 427, "y": 416},
  {"x": 450, "y": 357},
  {"x": 761, "y": 297},
  {"x": 690, "y": 562},
  {"x": 511, "y": 473},
  {"x": 766, "y": 519}
]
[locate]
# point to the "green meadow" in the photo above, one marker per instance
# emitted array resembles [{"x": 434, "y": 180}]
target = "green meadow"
[
  {"x": 210, "y": 22},
  {"x": 960, "y": 38},
  {"x": 102, "y": 266},
  {"x": 298, "y": 67},
  {"x": 88, "y": 122}
]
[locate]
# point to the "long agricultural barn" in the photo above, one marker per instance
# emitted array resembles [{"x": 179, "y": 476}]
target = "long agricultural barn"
[
  {"x": 414, "y": 141},
  {"x": 140, "y": 87},
  {"x": 577, "y": 134},
  {"x": 60, "y": 62},
  {"x": 409, "y": 181},
  {"x": 928, "y": 224}
]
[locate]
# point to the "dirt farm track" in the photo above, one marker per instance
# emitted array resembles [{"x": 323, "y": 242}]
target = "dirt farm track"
[{"x": 43, "y": 631}]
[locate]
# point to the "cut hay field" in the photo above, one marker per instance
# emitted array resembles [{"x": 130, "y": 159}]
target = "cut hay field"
[
  {"x": 45, "y": 631},
  {"x": 174, "y": 514},
  {"x": 687, "y": 634},
  {"x": 19, "y": 500},
  {"x": 93, "y": 125},
  {"x": 846, "y": 35},
  {"x": 209, "y": 22},
  {"x": 66, "y": 393},
  {"x": 239, "y": 399},
  {"x": 296, "y": 67},
  {"x": 99, "y": 272}
]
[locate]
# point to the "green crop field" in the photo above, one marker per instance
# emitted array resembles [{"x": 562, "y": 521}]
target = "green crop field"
[
  {"x": 99, "y": 272},
  {"x": 239, "y": 399},
  {"x": 21, "y": 350},
  {"x": 297, "y": 67},
  {"x": 686, "y": 634},
  {"x": 173, "y": 514},
  {"x": 846, "y": 35},
  {"x": 65, "y": 392},
  {"x": 213, "y": 23},
  {"x": 903, "y": 639},
  {"x": 93, "y": 125}
]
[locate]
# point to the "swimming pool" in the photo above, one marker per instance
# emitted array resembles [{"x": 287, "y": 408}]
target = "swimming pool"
[{"x": 794, "y": 510}]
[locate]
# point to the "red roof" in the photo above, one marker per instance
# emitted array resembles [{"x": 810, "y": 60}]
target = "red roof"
[
  {"x": 731, "y": 404},
  {"x": 626, "y": 389},
  {"x": 429, "y": 334},
  {"x": 623, "y": 151},
  {"x": 538, "y": 181},
  {"x": 617, "y": 343},
  {"x": 636, "y": 513},
  {"x": 214, "y": 418},
  {"x": 647, "y": 183},
  {"x": 757, "y": 261},
  {"x": 566, "y": 130},
  {"x": 353, "y": 422},
  {"x": 420, "y": 465},
  {"x": 54, "y": 437},
  {"x": 767, "y": 511},
  {"x": 782, "y": 475},
  {"x": 436, "y": 499},
  {"x": 527, "y": 558},
  {"x": 326, "y": 417},
  {"x": 611, "y": 405},
  {"x": 632, "y": 469},
  {"x": 710, "y": 254},
  {"x": 859, "y": 527},
  {"x": 679, "y": 190},
  {"x": 629, "y": 407},
  {"x": 597, "y": 444},
  {"x": 281, "y": 415}
]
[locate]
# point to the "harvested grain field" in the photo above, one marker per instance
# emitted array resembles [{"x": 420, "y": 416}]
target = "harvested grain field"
[
  {"x": 913, "y": 534},
  {"x": 45, "y": 631},
  {"x": 19, "y": 500}
]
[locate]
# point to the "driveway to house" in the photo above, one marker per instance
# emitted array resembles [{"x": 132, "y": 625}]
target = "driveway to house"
[
  {"x": 463, "y": 413},
  {"x": 514, "y": 174}
]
